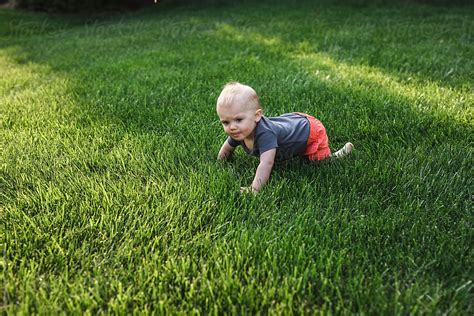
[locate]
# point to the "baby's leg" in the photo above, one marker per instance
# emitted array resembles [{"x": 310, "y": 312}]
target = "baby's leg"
[{"x": 344, "y": 151}]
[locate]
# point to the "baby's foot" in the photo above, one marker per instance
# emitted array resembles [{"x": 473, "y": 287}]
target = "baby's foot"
[{"x": 344, "y": 151}]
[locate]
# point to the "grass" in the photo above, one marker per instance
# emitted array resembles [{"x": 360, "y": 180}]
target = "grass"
[{"x": 112, "y": 201}]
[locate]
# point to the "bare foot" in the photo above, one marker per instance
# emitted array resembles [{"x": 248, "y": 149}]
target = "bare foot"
[{"x": 344, "y": 151}]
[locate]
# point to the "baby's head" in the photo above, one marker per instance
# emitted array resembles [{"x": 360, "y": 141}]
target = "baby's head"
[
  {"x": 239, "y": 110},
  {"x": 235, "y": 93}
]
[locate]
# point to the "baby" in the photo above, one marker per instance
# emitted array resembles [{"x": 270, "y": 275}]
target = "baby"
[{"x": 270, "y": 138}]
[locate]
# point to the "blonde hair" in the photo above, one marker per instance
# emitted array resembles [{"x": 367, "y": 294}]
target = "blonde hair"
[{"x": 237, "y": 92}]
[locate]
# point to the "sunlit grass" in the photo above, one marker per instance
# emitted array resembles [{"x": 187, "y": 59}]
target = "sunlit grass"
[{"x": 112, "y": 200}]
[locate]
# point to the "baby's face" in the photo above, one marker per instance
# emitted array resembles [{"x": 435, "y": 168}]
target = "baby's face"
[{"x": 238, "y": 121}]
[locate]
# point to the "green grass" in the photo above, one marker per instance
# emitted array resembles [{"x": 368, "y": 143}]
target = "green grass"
[{"x": 112, "y": 201}]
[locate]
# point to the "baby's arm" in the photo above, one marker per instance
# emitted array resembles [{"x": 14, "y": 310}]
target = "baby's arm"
[
  {"x": 225, "y": 151},
  {"x": 264, "y": 170}
]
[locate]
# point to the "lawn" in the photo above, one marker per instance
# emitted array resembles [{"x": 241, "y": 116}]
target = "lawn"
[{"x": 111, "y": 198}]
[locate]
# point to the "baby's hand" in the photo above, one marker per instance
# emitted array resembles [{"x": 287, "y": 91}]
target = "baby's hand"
[
  {"x": 223, "y": 155},
  {"x": 225, "y": 151},
  {"x": 248, "y": 190}
]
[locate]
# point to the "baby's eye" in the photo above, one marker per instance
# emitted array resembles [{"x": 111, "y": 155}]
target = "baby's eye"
[
  {"x": 239, "y": 120},
  {"x": 225, "y": 123}
]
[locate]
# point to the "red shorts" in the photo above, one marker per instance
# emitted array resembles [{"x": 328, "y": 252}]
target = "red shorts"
[{"x": 317, "y": 147}]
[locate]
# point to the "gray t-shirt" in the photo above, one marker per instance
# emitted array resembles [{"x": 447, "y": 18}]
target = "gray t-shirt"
[{"x": 287, "y": 133}]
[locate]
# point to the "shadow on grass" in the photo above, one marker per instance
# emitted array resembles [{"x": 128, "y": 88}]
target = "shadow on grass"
[{"x": 411, "y": 42}]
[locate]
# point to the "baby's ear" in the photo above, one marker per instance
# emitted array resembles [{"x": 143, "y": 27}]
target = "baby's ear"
[{"x": 258, "y": 115}]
